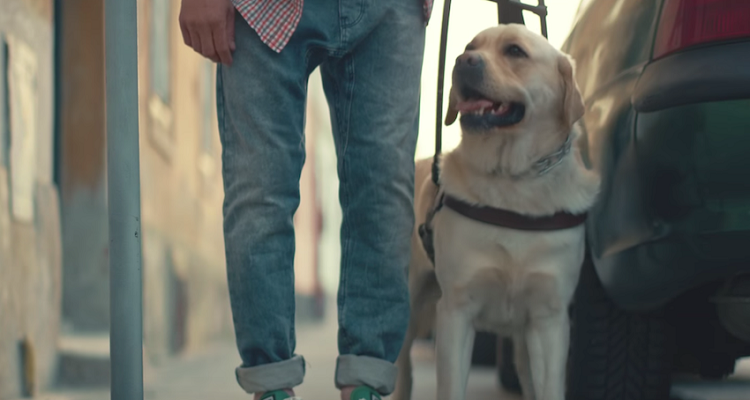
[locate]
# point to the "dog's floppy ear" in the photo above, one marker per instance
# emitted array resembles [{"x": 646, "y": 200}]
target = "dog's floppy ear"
[
  {"x": 452, "y": 114},
  {"x": 572, "y": 104}
]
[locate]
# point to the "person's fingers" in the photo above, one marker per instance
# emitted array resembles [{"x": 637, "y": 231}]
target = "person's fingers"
[
  {"x": 185, "y": 34},
  {"x": 221, "y": 44},
  {"x": 209, "y": 30},
  {"x": 195, "y": 40},
  {"x": 207, "y": 44}
]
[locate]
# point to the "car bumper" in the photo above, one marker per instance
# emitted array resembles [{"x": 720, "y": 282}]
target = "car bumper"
[{"x": 681, "y": 215}]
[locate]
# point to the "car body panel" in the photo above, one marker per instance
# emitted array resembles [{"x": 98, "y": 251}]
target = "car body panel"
[
  {"x": 703, "y": 74},
  {"x": 673, "y": 209}
]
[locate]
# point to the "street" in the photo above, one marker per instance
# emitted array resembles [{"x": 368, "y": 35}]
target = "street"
[{"x": 209, "y": 374}]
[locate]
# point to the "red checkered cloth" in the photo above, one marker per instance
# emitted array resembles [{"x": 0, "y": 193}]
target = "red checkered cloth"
[{"x": 275, "y": 21}]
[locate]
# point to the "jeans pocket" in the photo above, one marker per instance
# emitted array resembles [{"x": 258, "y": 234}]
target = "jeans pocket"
[{"x": 351, "y": 12}]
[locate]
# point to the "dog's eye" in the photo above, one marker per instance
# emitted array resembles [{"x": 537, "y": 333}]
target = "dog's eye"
[
  {"x": 516, "y": 51},
  {"x": 469, "y": 47}
]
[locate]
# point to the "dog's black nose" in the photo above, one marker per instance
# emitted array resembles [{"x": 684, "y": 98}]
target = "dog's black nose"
[
  {"x": 469, "y": 69},
  {"x": 469, "y": 60}
]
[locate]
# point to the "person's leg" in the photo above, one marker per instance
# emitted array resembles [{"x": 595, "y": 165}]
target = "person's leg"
[
  {"x": 373, "y": 93},
  {"x": 261, "y": 105}
]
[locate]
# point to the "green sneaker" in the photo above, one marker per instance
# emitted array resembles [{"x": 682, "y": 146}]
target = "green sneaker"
[
  {"x": 365, "y": 393},
  {"x": 278, "y": 395}
]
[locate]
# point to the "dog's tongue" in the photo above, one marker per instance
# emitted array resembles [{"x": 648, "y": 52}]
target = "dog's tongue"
[{"x": 473, "y": 105}]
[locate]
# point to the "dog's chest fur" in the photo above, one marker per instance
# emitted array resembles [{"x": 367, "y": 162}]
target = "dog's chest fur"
[{"x": 505, "y": 278}]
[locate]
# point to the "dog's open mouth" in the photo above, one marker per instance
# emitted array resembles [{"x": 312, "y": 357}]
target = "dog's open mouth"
[{"x": 482, "y": 113}]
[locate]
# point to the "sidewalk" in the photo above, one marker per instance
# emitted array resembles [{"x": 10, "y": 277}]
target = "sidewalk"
[{"x": 209, "y": 375}]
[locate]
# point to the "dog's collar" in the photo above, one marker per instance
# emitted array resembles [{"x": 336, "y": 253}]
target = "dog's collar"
[
  {"x": 548, "y": 162},
  {"x": 554, "y": 159},
  {"x": 509, "y": 219}
]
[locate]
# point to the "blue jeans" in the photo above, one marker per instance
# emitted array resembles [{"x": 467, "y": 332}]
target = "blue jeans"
[{"x": 370, "y": 55}]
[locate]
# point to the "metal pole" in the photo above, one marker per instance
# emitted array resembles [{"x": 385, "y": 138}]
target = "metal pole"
[{"x": 124, "y": 192}]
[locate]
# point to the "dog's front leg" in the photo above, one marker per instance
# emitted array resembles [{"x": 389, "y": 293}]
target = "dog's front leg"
[
  {"x": 547, "y": 342},
  {"x": 523, "y": 368},
  {"x": 455, "y": 339}
]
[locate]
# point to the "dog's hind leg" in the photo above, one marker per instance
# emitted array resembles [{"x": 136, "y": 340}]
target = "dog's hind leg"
[
  {"x": 404, "y": 379},
  {"x": 425, "y": 294},
  {"x": 523, "y": 368}
]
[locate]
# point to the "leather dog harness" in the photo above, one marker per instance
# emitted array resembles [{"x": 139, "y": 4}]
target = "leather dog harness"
[
  {"x": 512, "y": 220},
  {"x": 497, "y": 217},
  {"x": 500, "y": 217}
]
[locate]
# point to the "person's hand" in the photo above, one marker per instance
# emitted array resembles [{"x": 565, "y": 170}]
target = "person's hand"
[{"x": 208, "y": 27}]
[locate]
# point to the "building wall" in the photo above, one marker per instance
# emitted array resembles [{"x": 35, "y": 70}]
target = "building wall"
[
  {"x": 29, "y": 217},
  {"x": 82, "y": 166},
  {"x": 185, "y": 300},
  {"x": 308, "y": 221},
  {"x": 185, "y": 293}
]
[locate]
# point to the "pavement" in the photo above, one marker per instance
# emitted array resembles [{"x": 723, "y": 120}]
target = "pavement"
[{"x": 209, "y": 374}]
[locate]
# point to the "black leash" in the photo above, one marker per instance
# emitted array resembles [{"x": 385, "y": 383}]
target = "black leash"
[
  {"x": 425, "y": 230},
  {"x": 441, "y": 79}
]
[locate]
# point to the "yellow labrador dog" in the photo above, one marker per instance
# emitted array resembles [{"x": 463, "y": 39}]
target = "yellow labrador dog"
[{"x": 518, "y": 103}]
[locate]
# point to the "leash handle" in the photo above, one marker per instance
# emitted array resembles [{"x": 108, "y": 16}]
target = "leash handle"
[
  {"x": 440, "y": 83},
  {"x": 511, "y": 11}
]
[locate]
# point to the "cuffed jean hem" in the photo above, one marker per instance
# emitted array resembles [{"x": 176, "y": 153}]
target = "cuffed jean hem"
[
  {"x": 378, "y": 374},
  {"x": 276, "y": 376}
]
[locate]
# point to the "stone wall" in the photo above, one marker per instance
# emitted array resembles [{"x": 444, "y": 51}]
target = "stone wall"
[
  {"x": 30, "y": 248},
  {"x": 186, "y": 303}
]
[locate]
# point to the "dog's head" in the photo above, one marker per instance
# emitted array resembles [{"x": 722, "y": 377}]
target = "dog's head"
[{"x": 511, "y": 80}]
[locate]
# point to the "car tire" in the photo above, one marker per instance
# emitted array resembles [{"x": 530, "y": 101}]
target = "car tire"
[{"x": 615, "y": 354}]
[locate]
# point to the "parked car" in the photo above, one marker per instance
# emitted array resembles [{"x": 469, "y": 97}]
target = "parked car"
[{"x": 666, "y": 284}]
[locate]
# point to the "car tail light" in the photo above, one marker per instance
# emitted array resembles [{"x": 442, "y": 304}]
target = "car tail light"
[{"x": 685, "y": 23}]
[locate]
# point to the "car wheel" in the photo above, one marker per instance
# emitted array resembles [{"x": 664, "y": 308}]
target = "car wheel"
[{"x": 615, "y": 354}]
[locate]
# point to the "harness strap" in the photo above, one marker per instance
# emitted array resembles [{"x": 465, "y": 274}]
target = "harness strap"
[
  {"x": 509, "y": 219},
  {"x": 426, "y": 230}
]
